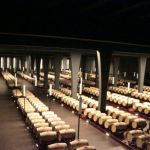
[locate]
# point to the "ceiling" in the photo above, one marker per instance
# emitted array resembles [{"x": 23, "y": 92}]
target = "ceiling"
[{"x": 110, "y": 20}]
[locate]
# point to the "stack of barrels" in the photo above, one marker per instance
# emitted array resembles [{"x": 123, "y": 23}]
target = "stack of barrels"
[
  {"x": 66, "y": 91},
  {"x": 91, "y": 103},
  {"x": 16, "y": 93},
  {"x": 48, "y": 128},
  {"x": 115, "y": 120},
  {"x": 91, "y": 90},
  {"x": 25, "y": 105},
  {"x": 25, "y": 76},
  {"x": 121, "y": 90},
  {"x": 142, "y": 108},
  {"x": 122, "y": 100},
  {"x": 78, "y": 144},
  {"x": 57, "y": 94},
  {"x": 138, "y": 138},
  {"x": 45, "y": 126},
  {"x": 143, "y": 96},
  {"x": 73, "y": 103},
  {"x": 145, "y": 88},
  {"x": 10, "y": 79}
]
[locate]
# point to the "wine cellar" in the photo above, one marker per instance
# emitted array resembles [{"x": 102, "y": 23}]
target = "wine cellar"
[{"x": 77, "y": 99}]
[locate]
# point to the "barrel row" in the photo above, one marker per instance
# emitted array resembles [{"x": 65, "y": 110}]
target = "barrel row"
[
  {"x": 145, "y": 88},
  {"x": 113, "y": 115},
  {"x": 10, "y": 79},
  {"x": 138, "y": 138},
  {"x": 25, "y": 76},
  {"x": 122, "y": 100},
  {"x": 47, "y": 127},
  {"x": 115, "y": 120},
  {"x": 71, "y": 102},
  {"x": 122, "y": 90},
  {"x": 91, "y": 90},
  {"x": 79, "y": 144},
  {"x": 119, "y": 122},
  {"x": 66, "y": 91},
  {"x": 128, "y": 102},
  {"x": 145, "y": 96}
]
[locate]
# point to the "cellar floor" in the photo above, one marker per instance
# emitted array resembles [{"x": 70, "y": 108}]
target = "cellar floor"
[
  {"x": 13, "y": 132},
  {"x": 87, "y": 131}
]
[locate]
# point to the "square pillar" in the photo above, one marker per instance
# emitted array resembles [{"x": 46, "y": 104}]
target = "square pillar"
[
  {"x": 75, "y": 64},
  {"x": 32, "y": 66},
  {"x": 57, "y": 67},
  {"x": 45, "y": 67},
  {"x": 38, "y": 67},
  {"x": 142, "y": 66},
  {"x": 103, "y": 63}
]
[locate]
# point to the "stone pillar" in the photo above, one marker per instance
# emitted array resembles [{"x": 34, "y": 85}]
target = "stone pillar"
[
  {"x": 57, "y": 66},
  {"x": 38, "y": 67},
  {"x": 45, "y": 68},
  {"x": 64, "y": 60},
  {"x": 142, "y": 66},
  {"x": 28, "y": 64},
  {"x": 5, "y": 62},
  {"x": 103, "y": 60},
  {"x": 32, "y": 66},
  {"x": 75, "y": 64},
  {"x": 83, "y": 65},
  {"x": 96, "y": 73}
]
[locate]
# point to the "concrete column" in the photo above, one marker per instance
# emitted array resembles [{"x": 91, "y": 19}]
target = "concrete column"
[
  {"x": 83, "y": 65},
  {"x": 17, "y": 64},
  {"x": 22, "y": 63},
  {"x": 64, "y": 63},
  {"x": 96, "y": 73},
  {"x": 53, "y": 64},
  {"x": 116, "y": 61},
  {"x": 38, "y": 67},
  {"x": 75, "y": 64},
  {"x": 57, "y": 67},
  {"x": 5, "y": 62},
  {"x": 142, "y": 66},
  {"x": 32, "y": 65},
  {"x": 69, "y": 62},
  {"x": 45, "y": 67},
  {"x": 11, "y": 62},
  {"x": 28, "y": 64},
  {"x": 103, "y": 60},
  {"x": 50, "y": 63}
]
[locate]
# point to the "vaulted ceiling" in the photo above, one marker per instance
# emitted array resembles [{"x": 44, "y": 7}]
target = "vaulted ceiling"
[{"x": 114, "y": 20}]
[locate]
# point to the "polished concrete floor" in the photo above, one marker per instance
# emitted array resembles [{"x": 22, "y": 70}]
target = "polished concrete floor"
[
  {"x": 15, "y": 136},
  {"x": 13, "y": 132}
]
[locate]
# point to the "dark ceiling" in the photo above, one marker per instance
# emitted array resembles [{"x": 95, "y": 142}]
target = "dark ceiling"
[{"x": 114, "y": 20}]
